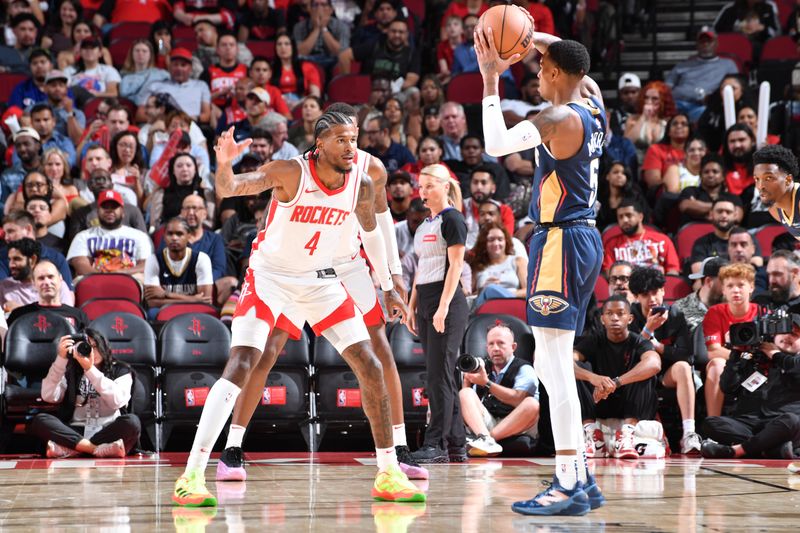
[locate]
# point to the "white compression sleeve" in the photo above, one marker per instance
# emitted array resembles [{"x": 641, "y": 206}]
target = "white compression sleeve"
[
  {"x": 386, "y": 224},
  {"x": 376, "y": 251},
  {"x": 501, "y": 141}
]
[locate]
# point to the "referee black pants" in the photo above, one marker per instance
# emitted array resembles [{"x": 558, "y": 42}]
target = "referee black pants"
[
  {"x": 48, "y": 427},
  {"x": 758, "y": 436},
  {"x": 446, "y": 427}
]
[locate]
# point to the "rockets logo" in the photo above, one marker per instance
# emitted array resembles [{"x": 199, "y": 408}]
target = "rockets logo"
[
  {"x": 547, "y": 305},
  {"x": 119, "y": 326},
  {"x": 196, "y": 328}
]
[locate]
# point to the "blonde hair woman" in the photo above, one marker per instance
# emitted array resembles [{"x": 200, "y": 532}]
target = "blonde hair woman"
[{"x": 438, "y": 311}]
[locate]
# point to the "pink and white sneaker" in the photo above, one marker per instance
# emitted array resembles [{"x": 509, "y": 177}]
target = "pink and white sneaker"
[
  {"x": 231, "y": 465},
  {"x": 408, "y": 465}
]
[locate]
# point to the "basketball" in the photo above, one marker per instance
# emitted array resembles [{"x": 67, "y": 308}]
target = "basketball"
[{"x": 512, "y": 29}]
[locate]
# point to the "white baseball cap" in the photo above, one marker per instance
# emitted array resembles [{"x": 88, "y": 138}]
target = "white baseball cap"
[{"x": 629, "y": 79}]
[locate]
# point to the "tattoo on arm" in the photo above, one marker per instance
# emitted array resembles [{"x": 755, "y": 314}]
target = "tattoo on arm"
[
  {"x": 229, "y": 184},
  {"x": 547, "y": 121},
  {"x": 365, "y": 206}
]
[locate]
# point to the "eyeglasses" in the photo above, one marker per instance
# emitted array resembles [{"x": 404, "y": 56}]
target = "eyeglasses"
[
  {"x": 192, "y": 208},
  {"x": 621, "y": 279},
  {"x": 36, "y": 184}
]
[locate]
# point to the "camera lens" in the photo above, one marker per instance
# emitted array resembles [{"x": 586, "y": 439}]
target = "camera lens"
[
  {"x": 468, "y": 363},
  {"x": 83, "y": 348}
]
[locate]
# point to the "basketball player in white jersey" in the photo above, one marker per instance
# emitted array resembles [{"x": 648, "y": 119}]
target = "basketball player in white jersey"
[
  {"x": 352, "y": 271},
  {"x": 316, "y": 200}
]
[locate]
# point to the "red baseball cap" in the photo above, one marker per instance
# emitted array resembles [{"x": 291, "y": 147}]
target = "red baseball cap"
[
  {"x": 110, "y": 196},
  {"x": 181, "y": 53}
]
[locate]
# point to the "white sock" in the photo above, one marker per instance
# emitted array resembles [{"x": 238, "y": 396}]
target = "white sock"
[
  {"x": 399, "y": 435},
  {"x": 386, "y": 458},
  {"x": 567, "y": 470},
  {"x": 235, "y": 436},
  {"x": 218, "y": 407},
  {"x": 583, "y": 466},
  {"x": 688, "y": 426}
]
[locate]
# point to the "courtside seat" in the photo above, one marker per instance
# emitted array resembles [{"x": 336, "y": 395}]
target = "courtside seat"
[
  {"x": 410, "y": 360},
  {"x": 31, "y": 347},
  {"x": 111, "y": 285},
  {"x": 475, "y": 336},
  {"x": 193, "y": 351}
]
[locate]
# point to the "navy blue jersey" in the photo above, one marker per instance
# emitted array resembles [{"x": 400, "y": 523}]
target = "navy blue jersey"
[
  {"x": 566, "y": 189},
  {"x": 792, "y": 219}
]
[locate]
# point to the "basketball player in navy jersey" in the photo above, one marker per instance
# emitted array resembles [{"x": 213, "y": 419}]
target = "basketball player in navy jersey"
[
  {"x": 774, "y": 171},
  {"x": 565, "y": 249}
]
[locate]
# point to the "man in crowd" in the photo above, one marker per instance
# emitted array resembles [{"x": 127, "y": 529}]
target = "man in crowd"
[
  {"x": 694, "y": 306},
  {"x": 222, "y": 76},
  {"x": 783, "y": 275},
  {"x": 256, "y": 106},
  {"x": 321, "y": 38},
  {"x": 70, "y": 121},
  {"x": 742, "y": 249},
  {"x": 638, "y": 244},
  {"x": 39, "y": 208},
  {"x": 406, "y": 229},
  {"x": 177, "y": 274},
  {"x": 738, "y": 284},
  {"x": 501, "y": 398},
  {"x": 276, "y": 126},
  {"x": 621, "y": 383},
  {"x": 99, "y": 181},
  {"x": 473, "y": 155},
  {"x": 628, "y": 89},
  {"x": 694, "y": 79},
  {"x": 715, "y": 244},
  {"x": 667, "y": 331},
  {"x": 193, "y": 96},
  {"x": 20, "y": 224},
  {"x": 454, "y": 128},
  {"x": 109, "y": 247},
  {"x": 393, "y": 155},
  {"x": 28, "y": 147},
  {"x": 31, "y": 91},
  {"x": 401, "y": 190},
  {"x": 43, "y": 121},
  {"x": 515, "y": 111},
  {"x": 262, "y": 145},
  {"x": 50, "y": 286},
  {"x": 261, "y": 74},
  {"x": 694, "y": 203},
  {"x": 619, "y": 276},
  {"x": 482, "y": 187},
  {"x": 19, "y": 289}
]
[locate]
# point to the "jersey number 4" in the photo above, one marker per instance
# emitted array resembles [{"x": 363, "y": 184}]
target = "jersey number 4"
[{"x": 312, "y": 244}]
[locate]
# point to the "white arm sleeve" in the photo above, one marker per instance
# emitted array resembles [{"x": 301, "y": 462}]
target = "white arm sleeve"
[
  {"x": 386, "y": 224},
  {"x": 376, "y": 251},
  {"x": 501, "y": 141}
]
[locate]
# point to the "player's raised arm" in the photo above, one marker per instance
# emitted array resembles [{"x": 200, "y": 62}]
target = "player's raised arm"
[{"x": 229, "y": 184}]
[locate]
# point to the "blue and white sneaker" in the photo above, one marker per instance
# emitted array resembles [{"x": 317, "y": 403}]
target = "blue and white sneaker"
[
  {"x": 576, "y": 502},
  {"x": 596, "y": 498}
]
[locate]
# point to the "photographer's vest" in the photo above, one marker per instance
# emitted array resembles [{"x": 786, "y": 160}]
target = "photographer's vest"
[
  {"x": 184, "y": 282},
  {"x": 495, "y": 407}
]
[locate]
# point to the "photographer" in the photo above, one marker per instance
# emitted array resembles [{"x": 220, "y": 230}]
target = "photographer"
[
  {"x": 502, "y": 402},
  {"x": 765, "y": 421},
  {"x": 93, "y": 390}
]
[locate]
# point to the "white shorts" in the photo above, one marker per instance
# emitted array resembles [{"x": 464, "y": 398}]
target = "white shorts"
[
  {"x": 354, "y": 276},
  {"x": 491, "y": 422},
  {"x": 326, "y": 306}
]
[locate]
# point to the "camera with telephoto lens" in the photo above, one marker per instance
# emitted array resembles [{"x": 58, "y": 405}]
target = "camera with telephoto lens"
[
  {"x": 469, "y": 363},
  {"x": 82, "y": 345},
  {"x": 762, "y": 329}
]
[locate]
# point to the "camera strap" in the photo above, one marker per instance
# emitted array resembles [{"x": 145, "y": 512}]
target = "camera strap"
[{"x": 754, "y": 381}]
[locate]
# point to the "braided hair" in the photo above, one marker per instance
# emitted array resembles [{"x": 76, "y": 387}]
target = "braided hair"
[{"x": 324, "y": 123}]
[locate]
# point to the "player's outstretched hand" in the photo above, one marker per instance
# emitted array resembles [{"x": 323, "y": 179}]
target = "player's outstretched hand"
[
  {"x": 395, "y": 305},
  {"x": 227, "y": 149}
]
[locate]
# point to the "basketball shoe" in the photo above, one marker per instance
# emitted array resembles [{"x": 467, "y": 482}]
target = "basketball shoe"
[
  {"x": 691, "y": 443},
  {"x": 110, "y": 449},
  {"x": 596, "y": 498},
  {"x": 191, "y": 491},
  {"x": 408, "y": 465},
  {"x": 483, "y": 446},
  {"x": 574, "y": 502},
  {"x": 392, "y": 485},
  {"x": 595, "y": 441},
  {"x": 56, "y": 451},
  {"x": 231, "y": 465},
  {"x": 623, "y": 443}
]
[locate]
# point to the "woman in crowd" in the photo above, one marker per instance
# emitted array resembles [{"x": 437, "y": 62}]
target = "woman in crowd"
[
  {"x": 127, "y": 163},
  {"x": 678, "y": 176},
  {"x": 496, "y": 271},
  {"x": 37, "y": 184},
  {"x": 431, "y": 122},
  {"x": 90, "y": 74},
  {"x": 161, "y": 40},
  {"x": 295, "y": 78},
  {"x": 430, "y": 153},
  {"x": 431, "y": 92},
  {"x": 616, "y": 184},
  {"x": 668, "y": 151},
  {"x": 748, "y": 115},
  {"x": 140, "y": 70},
  {"x": 438, "y": 312},
  {"x": 184, "y": 179},
  {"x": 57, "y": 169},
  {"x": 80, "y": 31},
  {"x": 711, "y": 125},
  {"x": 393, "y": 111},
  {"x": 94, "y": 394},
  {"x": 58, "y": 34},
  {"x": 301, "y": 135},
  {"x": 649, "y": 124}
]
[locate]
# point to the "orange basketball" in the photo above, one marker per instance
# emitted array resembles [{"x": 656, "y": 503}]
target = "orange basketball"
[{"x": 512, "y": 29}]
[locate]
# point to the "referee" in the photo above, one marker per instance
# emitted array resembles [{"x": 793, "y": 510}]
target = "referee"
[{"x": 438, "y": 311}]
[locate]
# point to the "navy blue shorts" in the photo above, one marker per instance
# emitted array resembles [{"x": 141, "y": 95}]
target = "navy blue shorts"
[{"x": 563, "y": 267}]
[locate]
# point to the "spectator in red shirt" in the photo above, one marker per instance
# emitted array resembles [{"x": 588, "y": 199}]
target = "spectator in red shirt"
[
  {"x": 482, "y": 186},
  {"x": 221, "y": 78},
  {"x": 118, "y": 11},
  {"x": 738, "y": 284},
  {"x": 462, "y": 8},
  {"x": 217, "y": 12},
  {"x": 637, "y": 244},
  {"x": 454, "y": 36},
  {"x": 737, "y": 152},
  {"x": 293, "y": 77},
  {"x": 542, "y": 15},
  {"x": 261, "y": 74},
  {"x": 669, "y": 151}
]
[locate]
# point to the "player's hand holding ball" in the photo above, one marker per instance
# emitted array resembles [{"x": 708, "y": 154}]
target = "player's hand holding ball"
[
  {"x": 503, "y": 36},
  {"x": 227, "y": 149}
]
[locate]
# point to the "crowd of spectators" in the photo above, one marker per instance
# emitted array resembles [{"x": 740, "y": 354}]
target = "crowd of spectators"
[{"x": 107, "y": 163}]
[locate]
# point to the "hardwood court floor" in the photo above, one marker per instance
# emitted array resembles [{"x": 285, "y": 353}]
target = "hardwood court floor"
[{"x": 329, "y": 492}]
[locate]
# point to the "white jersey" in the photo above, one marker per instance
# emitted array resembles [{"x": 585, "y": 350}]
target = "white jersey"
[
  {"x": 300, "y": 237},
  {"x": 349, "y": 246}
]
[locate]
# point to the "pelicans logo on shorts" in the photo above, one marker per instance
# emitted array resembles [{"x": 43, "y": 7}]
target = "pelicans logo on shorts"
[{"x": 547, "y": 305}]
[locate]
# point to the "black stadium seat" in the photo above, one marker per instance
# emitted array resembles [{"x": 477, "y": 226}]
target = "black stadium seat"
[
  {"x": 31, "y": 347},
  {"x": 475, "y": 336},
  {"x": 194, "y": 350},
  {"x": 133, "y": 341},
  {"x": 410, "y": 359}
]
